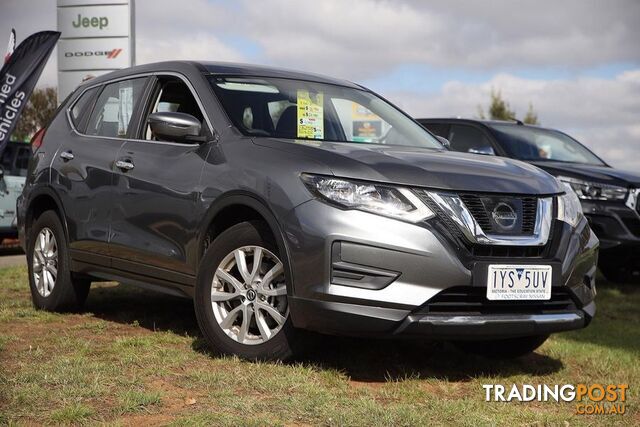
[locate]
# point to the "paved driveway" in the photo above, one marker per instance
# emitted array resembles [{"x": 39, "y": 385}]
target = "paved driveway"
[{"x": 10, "y": 256}]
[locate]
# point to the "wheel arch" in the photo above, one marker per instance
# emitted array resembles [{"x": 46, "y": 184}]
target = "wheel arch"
[
  {"x": 41, "y": 200},
  {"x": 236, "y": 207}
]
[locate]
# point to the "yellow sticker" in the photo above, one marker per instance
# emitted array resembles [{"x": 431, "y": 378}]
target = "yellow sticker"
[{"x": 310, "y": 115}]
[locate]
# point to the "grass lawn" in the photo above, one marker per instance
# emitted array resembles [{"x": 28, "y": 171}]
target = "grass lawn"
[{"x": 136, "y": 357}]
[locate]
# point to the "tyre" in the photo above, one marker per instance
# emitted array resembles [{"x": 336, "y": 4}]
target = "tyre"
[
  {"x": 53, "y": 286},
  {"x": 241, "y": 295},
  {"x": 509, "y": 348}
]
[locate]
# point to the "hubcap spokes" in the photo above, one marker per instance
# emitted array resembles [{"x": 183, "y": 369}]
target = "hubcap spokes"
[
  {"x": 45, "y": 262},
  {"x": 248, "y": 295}
]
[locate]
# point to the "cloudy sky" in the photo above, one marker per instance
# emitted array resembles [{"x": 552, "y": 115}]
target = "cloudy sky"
[{"x": 577, "y": 61}]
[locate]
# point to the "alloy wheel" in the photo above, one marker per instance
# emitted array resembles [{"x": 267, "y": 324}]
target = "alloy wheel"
[
  {"x": 249, "y": 295},
  {"x": 45, "y": 262}
]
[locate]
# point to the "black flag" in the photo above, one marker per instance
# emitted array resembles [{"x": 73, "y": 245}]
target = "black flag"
[{"x": 18, "y": 77}]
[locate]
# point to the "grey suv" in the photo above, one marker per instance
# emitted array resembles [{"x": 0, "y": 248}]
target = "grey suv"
[{"x": 281, "y": 201}]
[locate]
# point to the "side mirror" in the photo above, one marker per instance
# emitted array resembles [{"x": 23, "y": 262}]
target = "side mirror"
[
  {"x": 174, "y": 127},
  {"x": 444, "y": 141},
  {"x": 487, "y": 151},
  {"x": 1, "y": 172}
]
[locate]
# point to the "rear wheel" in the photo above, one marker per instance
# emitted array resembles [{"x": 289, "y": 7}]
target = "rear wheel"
[
  {"x": 52, "y": 284},
  {"x": 509, "y": 348},
  {"x": 241, "y": 295}
]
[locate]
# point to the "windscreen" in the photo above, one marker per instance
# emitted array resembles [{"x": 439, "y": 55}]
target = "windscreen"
[
  {"x": 534, "y": 144},
  {"x": 296, "y": 109}
]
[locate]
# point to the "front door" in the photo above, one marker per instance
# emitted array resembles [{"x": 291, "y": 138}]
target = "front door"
[{"x": 155, "y": 215}]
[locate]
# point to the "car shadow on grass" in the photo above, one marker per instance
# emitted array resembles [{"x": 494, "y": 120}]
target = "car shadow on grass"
[{"x": 363, "y": 360}]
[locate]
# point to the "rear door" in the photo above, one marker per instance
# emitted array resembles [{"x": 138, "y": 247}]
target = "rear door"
[
  {"x": 83, "y": 167},
  {"x": 155, "y": 213}
]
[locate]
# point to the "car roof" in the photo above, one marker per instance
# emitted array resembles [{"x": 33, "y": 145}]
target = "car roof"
[
  {"x": 479, "y": 121},
  {"x": 220, "y": 68}
]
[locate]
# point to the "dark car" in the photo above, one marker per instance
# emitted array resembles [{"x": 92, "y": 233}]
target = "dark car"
[
  {"x": 13, "y": 170},
  {"x": 609, "y": 196},
  {"x": 282, "y": 201}
]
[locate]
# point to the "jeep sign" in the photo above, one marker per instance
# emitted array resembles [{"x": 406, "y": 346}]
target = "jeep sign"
[
  {"x": 94, "y": 21},
  {"x": 97, "y": 37}
]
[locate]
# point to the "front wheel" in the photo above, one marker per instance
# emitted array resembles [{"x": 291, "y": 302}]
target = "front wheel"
[
  {"x": 241, "y": 295},
  {"x": 509, "y": 348}
]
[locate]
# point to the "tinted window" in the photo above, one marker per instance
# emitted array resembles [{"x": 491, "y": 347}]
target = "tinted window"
[
  {"x": 469, "y": 139},
  {"x": 22, "y": 161},
  {"x": 81, "y": 108},
  {"x": 296, "y": 109},
  {"x": 114, "y": 107},
  {"x": 531, "y": 143},
  {"x": 8, "y": 157},
  {"x": 440, "y": 129},
  {"x": 15, "y": 159}
]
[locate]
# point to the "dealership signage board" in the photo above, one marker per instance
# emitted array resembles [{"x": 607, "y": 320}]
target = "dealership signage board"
[{"x": 97, "y": 37}]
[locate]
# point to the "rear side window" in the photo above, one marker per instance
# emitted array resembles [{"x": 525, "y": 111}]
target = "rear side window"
[
  {"x": 113, "y": 110},
  {"x": 81, "y": 108},
  {"x": 469, "y": 139}
]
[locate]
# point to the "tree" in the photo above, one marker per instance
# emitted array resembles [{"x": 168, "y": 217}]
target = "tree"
[
  {"x": 499, "y": 109},
  {"x": 531, "y": 118},
  {"x": 37, "y": 113}
]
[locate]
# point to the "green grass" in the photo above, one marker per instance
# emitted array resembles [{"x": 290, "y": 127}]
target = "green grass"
[
  {"x": 74, "y": 413},
  {"x": 135, "y": 357},
  {"x": 137, "y": 401}
]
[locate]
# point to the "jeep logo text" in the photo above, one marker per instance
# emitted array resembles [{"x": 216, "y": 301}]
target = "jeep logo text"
[{"x": 94, "y": 22}]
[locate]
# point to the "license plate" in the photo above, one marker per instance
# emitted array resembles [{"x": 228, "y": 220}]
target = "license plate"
[{"x": 519, "y": 282}]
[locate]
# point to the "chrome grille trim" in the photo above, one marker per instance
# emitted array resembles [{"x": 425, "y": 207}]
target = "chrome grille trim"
[{"x": 451, "y": 205}]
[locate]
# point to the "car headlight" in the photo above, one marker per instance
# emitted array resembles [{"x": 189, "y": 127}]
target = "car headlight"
[
  {"x": 394, "y": 202},
  {"x": 569, "y": 206},
  {"x": 594, "y": 190}
]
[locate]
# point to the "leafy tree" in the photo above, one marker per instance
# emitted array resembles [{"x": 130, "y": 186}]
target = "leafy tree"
[
  {"x": 499, "y": 109},
  {"x": 37, "y": 113}
]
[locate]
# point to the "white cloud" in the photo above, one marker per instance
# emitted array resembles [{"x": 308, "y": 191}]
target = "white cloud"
[
  {"x": 364, "y": 38},
  {"x": 189, "y": 46},
  {"x": 601, "y": 113}
]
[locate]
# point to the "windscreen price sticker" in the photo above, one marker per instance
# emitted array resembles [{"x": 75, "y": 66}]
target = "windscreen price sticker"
[{"x": 310, "y": 115}]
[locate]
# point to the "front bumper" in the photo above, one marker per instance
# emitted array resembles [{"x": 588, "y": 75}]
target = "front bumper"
[{"x": 361, "y": 274}]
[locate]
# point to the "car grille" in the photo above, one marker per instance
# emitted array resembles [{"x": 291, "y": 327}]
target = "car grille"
[
  {"x": 467, "y": 300},
  {"x": 476, "y": 206},
  {"x": 507, "y": 251}
]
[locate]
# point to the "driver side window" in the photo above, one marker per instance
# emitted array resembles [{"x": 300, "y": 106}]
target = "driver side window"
[
  {"x": 173, "y": 95},
  {"x": 469, "y": 139}
]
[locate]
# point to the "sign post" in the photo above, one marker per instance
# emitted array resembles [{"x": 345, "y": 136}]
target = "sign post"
[{"x": 97, "y": 37}]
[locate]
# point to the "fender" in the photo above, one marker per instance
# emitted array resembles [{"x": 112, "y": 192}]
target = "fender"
[
  {"x": 41, "y": 190},
  {"x": 250, "y": 200}
]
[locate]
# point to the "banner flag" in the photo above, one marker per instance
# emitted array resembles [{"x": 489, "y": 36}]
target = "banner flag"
[
  {"x": 11, "y": 46},
  {"x": 19, "y": 76}
]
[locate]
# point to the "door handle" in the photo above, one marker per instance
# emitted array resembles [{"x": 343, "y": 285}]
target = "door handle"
[
  {"x": 66, "y": 155},
  {"x": 124, "y": 165}
]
